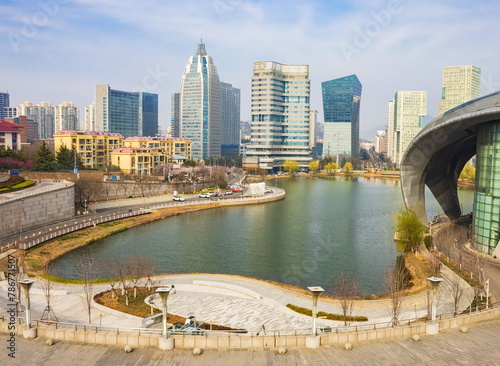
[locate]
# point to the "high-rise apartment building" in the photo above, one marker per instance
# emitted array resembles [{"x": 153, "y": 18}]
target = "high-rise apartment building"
[
  {"x": 174, "y": 115},
  {"x": 4, "y": 103},
  {"x": 460, "y": 84},
  {"x": 230, "y": 120},
  {"x": 126, "y": 113},
  {"x": 280, "y": 116},
  {"x": 10, "y": 112},
  {"x": 406, "y": 114},
  {"x": 66, "y": 117},
  {"x": 341, "y": 104},
  {"x": 89, "y": 122},
  {"x": 199, "y": 105},
  {"x": 43, "y": 114}
]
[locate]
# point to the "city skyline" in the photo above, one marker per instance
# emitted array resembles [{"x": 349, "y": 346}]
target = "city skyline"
[{"x": 390, "y": 45}]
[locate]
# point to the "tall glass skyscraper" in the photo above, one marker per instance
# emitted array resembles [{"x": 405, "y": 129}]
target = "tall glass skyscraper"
[
  {"x": 230, "y": 120},
  {"x": 199, "y": 105},
  {"x": 341, "y": 103},
  {"x": 280, "y": 116},
  {"x": 127, "y": 113},
  {"x": 4, "y": 103}
]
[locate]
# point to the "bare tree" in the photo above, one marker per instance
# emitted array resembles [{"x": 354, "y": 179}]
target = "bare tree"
[
  {"x": 346, "y": 288},
  {"x": 395, "y": 281},
  {"x": 47, "y": 286},
  {"x": 121, "y": 271},
  {"x": 86, "y": 268}
]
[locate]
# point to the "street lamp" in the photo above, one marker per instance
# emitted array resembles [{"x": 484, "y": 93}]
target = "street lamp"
[
  {"x": 313, "y": 341},
  {"x": 165, "y": 343},
  {"x": 433, "y": 328},
  {"x": 26, "y": 285}
]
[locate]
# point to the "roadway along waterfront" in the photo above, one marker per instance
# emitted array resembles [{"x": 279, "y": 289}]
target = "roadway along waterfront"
[{"x": 323, "y": 226}]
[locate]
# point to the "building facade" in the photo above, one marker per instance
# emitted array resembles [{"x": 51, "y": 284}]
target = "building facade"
[
  {"x": 29, "y": 129},
  {"x": 10, "y": 135},
  {"x": 174, "y": 115},
  {"x": 200, "y": 105},
  {"x": 126, "y": 113},
  {"x": 89, "y": 122},
  {"x": 170, "y": 145},
  {"x": 93, "y": 148},
  {"x": 42, "y": 114},
  {"x": 341, "y": 106},
  {"x": 66, "y": 117},
  {"x": 406, "y": 114},
  {"x": 4, "y": 103},
  {"x": 280, "y": 126},
  {"x": 460, "y": 84},
  {"x": 230, "y": 120}
]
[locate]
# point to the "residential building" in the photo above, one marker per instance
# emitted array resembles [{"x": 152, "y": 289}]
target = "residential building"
[
  {"x": 42, "y": 114},
  {"x": 341, "y": 105},
  {"x": 199, "y": 105},
  {"x": 171, "y": 145},
  {"x": 66, "y": 117},
  {"x": 410, "y": 108},
  {"x": 29, "y": 129},
  {"x": 126, "y": 113},
  {"x": 460, "y": 84},
  {"x": 174, "y": 115},
  {"x": 313, "y": 122},
  {"x": 4, "y": 103},
  {"x": 390, "y": 130},
  {"x": 10, "y": 135},
  {"x": 138, "y": 160},
  {"x": 381, "y": 142},
  {"x": 94, "y": 148},
  {"x": 230, "y": 120},
  {"x": 89, "y": 123},
  {"x": 280, "y": 126}
]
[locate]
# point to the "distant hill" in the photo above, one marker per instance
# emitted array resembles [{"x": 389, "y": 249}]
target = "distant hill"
[{"x": 371, "y": 133}]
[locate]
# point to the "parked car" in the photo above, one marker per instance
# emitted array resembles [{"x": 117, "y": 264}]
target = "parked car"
[
  {"x": 204, "y": 195},
  {"x": 228, "y": 192},
  {"x": 178, "y": 198}
]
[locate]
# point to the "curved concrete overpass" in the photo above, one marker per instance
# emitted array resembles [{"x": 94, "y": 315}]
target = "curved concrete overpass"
[{"x": 439, "y": 152}]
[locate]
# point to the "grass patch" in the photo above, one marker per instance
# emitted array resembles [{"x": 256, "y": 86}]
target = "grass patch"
[
  {"x": 329, "y": 316},
  {"x": 465, "y": 275},
  {"x": 69, "y": 237},
  {"x": 57, "y": 279}
]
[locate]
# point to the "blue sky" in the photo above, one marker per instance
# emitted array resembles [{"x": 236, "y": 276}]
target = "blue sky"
[{"x": 58, "y": 50}]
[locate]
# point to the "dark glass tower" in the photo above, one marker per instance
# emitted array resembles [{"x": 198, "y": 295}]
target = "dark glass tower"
[{"x": 341, "y": 102}]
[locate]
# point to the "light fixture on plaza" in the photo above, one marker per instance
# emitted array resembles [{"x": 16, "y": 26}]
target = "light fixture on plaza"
[
  {"x": 26, "y": 285},
  {"x": 164, "y": 292},
  {"x": 433, "y": 327},
  {"x": 313, "y": 341}
]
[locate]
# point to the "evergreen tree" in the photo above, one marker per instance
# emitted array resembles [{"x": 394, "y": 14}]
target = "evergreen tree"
[
  {"x": 65, "y": 158},
  {"x": 45, "y": 161}
]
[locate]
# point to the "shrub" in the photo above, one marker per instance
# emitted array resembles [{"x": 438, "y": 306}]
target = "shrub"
[{"x": 329, "y": 316}]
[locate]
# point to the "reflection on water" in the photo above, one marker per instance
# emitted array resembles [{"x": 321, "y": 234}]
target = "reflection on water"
[{"x": 323, "y": 226}]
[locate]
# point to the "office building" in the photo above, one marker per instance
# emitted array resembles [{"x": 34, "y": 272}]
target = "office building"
[
  {"x": 341, "y": 105},
  {"x": 406, "y": 114},
  {"x": 230, "y": 120},
  {"x": 66, "y": 117},
  {"x": 460, "y": 84},
  {"x": 4, "y": 103},
  {"x": 280, "y": 126},
  {"x": 199, "y": 105},
  {"x": 174, "y": 115},
  {"x": 126, "y": 113}
]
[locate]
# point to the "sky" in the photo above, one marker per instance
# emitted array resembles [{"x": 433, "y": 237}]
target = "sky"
[{"x": 58, "y": 50}]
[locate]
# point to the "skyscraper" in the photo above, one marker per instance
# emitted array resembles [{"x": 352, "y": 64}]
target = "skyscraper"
[
  {"x": 409, "y": 110},
  {"x": 230, "y": 120},
  {"x": 460, "y": 84},
  {"x": 126, "y": 113},
  {"x": 199, "y": 105},
  {"x": 89, "y": 124},
  {"x": 66, "y": 117},
  {"x": 280, "y": 116},
  {"x": 174, "y": 116},
  {"x": 341, "y": 103},
  {"x": 4, "y": 103}
]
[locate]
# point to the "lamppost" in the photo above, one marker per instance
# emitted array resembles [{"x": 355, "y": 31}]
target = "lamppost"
[
  {"x": 487, "y": 291},
  {"x": 26, "y": 285},
  {"x": 433, "y": 327},
  {"x": 166, "y": 343},
  {"x": 313, "y": 341}
]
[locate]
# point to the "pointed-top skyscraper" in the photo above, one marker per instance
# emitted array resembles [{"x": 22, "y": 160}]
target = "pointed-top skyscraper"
[{"x": 199, "y": 105}]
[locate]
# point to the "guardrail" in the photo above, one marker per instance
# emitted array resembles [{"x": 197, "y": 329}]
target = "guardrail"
[{"x": 255, "y": 333}]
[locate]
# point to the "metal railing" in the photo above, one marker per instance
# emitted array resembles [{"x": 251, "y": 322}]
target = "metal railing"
[{"x": 255, "y": 333}]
